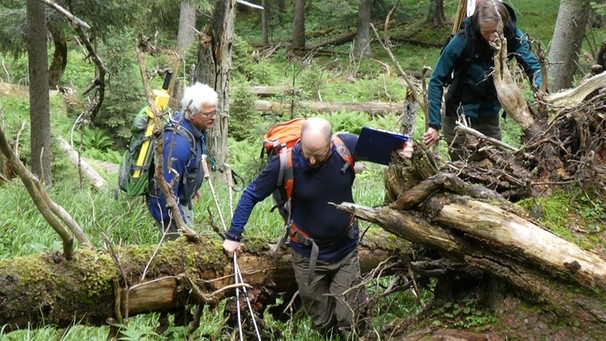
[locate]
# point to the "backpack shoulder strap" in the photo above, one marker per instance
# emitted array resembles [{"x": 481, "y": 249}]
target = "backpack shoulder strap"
[
  {"x": 188, "y": 135},
  {"x": 344, "y": 153},
  {"x": 183, "y": 132},
  {"x": 470, "y": 47},
  {"x": 286, "y": 175}
]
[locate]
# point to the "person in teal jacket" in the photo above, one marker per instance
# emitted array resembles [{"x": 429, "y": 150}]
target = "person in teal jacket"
[{"x": 466, "y": 63}]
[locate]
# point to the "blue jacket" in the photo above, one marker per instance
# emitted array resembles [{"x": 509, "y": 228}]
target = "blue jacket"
[
  {"x": 473, "y": 85},
  {"x": 185, "y": 162},
  {"x": 311, "y": 211}
]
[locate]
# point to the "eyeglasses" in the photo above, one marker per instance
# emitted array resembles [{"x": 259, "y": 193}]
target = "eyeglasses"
[{"x": 209, "y": 114}]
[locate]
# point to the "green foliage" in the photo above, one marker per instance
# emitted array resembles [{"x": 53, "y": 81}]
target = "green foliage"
[
  {"x": 250, "y": 67},
  {"x": 79, "y": 72},
  {"x": 568, "y": 211},
  {"x": 75, "y": 332},
  {"x": 344, "y": 121},
  {"x": 15, "y": 70},
  {"x": 340, "y": 12},
  {"x": 137, "y": 331},
  {"x": 123, "y": 98},
  {"x": 592, "y": 211},
  {"x": 96, "y": 138},
  {"x": 13, "y": 29},
  {"x": 243, "y": 116},
  {"x": 468, "y": 314},
  {"x": 599, "y": 8},
  {"x": 122, "y": 220},
  {"x": 97, "y": 144}
]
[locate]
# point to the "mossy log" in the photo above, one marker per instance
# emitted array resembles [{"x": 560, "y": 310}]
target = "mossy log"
[{"x": 97, "y": 286}]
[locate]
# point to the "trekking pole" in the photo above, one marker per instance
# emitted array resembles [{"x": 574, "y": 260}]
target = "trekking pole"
[
  {"x": 212, "y": 189},
  {"x": 230, "y": 184},
  {"x": 239, "y": 279},
  {"x": 237, "y": 272},
  {"x": 236, "y": 281}
]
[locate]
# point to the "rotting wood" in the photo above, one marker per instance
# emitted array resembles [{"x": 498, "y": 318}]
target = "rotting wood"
[{"x": 504, "y": 245}]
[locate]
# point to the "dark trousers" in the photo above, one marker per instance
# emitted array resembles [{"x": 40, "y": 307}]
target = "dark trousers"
[{"x": 489, "y": 126}]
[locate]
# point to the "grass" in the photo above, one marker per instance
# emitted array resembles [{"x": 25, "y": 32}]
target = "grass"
[
  {"x": 107, "y": 219},
  {"x": 120, "y": 220}
]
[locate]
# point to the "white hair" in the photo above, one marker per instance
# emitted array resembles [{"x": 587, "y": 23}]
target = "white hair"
[{"x": 196, "y": 95}]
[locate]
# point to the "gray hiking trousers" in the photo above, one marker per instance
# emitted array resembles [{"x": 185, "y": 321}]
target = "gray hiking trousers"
[{"x": 323, "y": 299}]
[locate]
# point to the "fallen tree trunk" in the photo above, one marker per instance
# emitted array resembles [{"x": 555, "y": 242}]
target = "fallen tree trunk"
[
  {"x": 372, "y": 108},
  {"x": 97, "y": 180},
  {"x": 548, "y": 269},
  {"x": 270, "y": 91},
  {"x": 96, "y": 285},
  {"x": 570, "y": 98}
]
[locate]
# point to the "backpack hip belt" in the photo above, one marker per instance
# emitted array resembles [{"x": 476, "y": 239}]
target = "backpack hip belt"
[{"x": 299, "y": 236}]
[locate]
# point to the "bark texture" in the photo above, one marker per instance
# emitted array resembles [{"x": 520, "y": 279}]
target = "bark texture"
[
  {"x": 187, "y": 26},
  {"x": 298, "y": 31},
  {"x": 363, "y": 32},
  {"x": 567, "y": 41},
  {"x": 97, "y": 285},
  {"x": 39, "y": 111},
  {"x": 214, "y": 68}
]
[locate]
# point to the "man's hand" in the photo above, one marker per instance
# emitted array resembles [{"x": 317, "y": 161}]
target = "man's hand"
[
  {"x": 406, "y": 152},
  {"x": 431, "y": 136},
  {"x": 230, "y": 247},
  {"x": 197, "y": 196}
]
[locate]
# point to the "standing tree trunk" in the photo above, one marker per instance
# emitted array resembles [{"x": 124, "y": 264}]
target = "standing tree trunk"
[
  {"x": 55, "y": 71},
  {"x": 264, "y": 26},
  {"x": 566, "y": 42},
  {"x": 214, "y": 68},
  {"x": 363, "y": 34},
  {"x": 39, "y": 110},
  {"x": 435, "y": 16},
  {"x": 298, "y": 31},
  {"x": 187, "y": 24}
]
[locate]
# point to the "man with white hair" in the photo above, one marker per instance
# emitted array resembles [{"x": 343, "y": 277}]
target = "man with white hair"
[{"x": 184, "y": 144}]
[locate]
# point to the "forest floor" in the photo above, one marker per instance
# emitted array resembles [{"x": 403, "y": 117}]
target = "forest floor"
[{"x": 519, "y": 322}]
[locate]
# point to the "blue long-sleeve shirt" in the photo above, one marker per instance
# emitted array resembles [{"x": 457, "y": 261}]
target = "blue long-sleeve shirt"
[
  {"x": 475, "y": 92},
  {"x": 182, "y": 161},
  {"x": 313, "y": 189}
]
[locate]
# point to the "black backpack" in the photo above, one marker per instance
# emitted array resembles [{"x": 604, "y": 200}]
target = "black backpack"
[{"x": 461, "y": 63}]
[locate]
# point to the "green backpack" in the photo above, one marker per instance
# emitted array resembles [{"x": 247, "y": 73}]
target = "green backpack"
[{"x": 136, "y": 167}]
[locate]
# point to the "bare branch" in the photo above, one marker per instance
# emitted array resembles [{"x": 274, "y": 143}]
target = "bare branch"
[{"x": 75, "y": 21}]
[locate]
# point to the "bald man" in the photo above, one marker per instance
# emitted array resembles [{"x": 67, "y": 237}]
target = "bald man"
[{"x": 324, "y": 239}]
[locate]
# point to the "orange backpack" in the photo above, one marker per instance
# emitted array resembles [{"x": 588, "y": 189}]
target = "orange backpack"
[{"x": 279, "y": 140}]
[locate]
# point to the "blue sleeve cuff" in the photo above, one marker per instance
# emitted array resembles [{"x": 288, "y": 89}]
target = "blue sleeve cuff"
[{"x": 233, "y": 236}]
